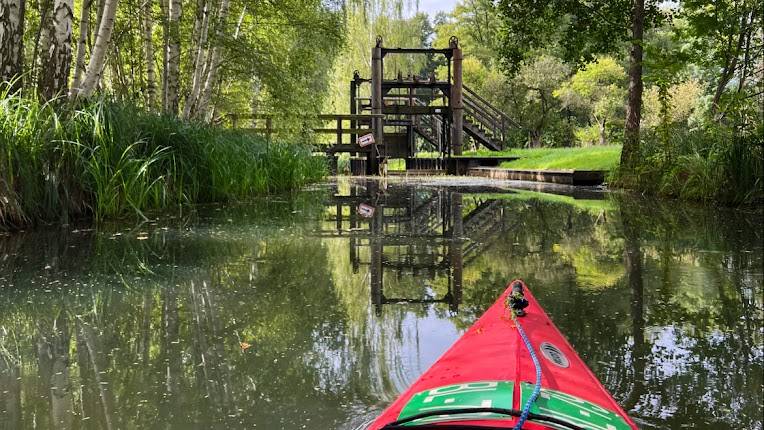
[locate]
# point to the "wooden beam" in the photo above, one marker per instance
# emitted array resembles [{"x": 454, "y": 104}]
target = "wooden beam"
[{"x": 415, "y": 110}]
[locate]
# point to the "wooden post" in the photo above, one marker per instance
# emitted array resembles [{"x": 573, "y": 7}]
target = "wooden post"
[
  {"x": 410, "y": 127},
  {"x": 372, "y": 163},
  {"x": 339, "y": 131},
  {"x": 268, "y": 128},
  {"x": 354, "y": 105},
  {"x": 457, "y": 104}
]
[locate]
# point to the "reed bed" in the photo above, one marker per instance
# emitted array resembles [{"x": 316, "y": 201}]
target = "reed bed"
[
  {"x": 98, "y": 160},
  {"x": 715, "y": 164}
]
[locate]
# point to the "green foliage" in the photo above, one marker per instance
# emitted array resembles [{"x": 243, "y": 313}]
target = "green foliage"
[
  {"x": 108, "y": 160},
  {"x": 528, "y": 99},
  {"x": 598, "y": 90},
  {"x": 364, "y": 21},
  {"x": 578, "y": 30},
  {"x": 286, "y": 50},
  {"x": 475, "y": 23}
]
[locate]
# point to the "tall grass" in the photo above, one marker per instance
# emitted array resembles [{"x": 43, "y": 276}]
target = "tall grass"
[
  {"x": 105, "y": 160},
  {"x": 711, "y": 164}
]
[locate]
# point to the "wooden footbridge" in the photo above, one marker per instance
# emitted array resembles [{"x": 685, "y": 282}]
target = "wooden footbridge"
[{"x": 406, "y": 115}]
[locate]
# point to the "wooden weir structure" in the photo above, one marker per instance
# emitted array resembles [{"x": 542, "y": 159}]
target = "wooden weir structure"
[{"x": 406, "y": 115}]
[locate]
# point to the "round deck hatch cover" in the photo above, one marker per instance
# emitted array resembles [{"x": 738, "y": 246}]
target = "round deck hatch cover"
[{"x": 553, "y": 354}]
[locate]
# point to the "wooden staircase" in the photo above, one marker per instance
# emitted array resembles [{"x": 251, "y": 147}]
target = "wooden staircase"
[{"x": 483, "y": 122}]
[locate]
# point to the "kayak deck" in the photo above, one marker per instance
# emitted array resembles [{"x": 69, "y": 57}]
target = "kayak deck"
[{"x": 490, "y": 368}]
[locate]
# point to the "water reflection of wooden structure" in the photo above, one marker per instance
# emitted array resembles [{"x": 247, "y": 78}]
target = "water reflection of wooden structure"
[{"x": 428, "y": 233}]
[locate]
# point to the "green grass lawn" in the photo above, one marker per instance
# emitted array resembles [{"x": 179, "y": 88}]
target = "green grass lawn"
[{"x": 589, "y": 158}]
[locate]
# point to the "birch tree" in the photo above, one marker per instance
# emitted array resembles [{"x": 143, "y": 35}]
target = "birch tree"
[
  {"x": 148, "y": 41},
  {"x": 201, "y": 29},
  {"x": 172, "y": 56},
  {"x": 11, "y": 39},
  {"x": 56, "y": 59},
  {"x": 79, "y": 63},
  {"x": 214, "y": 64},
  {"x": 100, "y": 49}
]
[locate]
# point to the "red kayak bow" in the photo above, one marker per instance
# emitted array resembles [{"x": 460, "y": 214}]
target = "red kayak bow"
[{"x": 485, "y": 380}]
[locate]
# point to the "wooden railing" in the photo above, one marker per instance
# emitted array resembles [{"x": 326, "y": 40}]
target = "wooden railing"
[
  {"x": 337, "y": 124},
  {"x": 495, "y": 123}
]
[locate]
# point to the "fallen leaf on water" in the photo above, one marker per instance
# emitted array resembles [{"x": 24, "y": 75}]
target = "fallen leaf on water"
[{"x": 245, "y": 346}]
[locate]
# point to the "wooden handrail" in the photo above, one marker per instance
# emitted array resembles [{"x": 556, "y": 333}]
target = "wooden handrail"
[
  {"x": 490, "y": 106},
  {"x": 320, "y": 116}
]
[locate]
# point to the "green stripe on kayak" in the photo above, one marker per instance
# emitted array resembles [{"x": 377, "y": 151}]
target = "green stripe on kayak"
[
  {"x": 571, "y": 409},
  {"x": 481, "y": 394}
]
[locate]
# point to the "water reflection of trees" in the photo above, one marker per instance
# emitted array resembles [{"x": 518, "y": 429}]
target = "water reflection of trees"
[
  {"x": 157, "y": 340},
  {"x": 109, "y": 330}
]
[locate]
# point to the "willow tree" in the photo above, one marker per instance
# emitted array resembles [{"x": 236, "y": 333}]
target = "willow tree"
[{"x": 365, "y": 21}]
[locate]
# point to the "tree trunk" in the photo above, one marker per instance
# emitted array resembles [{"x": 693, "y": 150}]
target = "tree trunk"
[
  {"x": 11, "y": 40},
  {"x": 199, "y": 63},
  {"x": 42, "y": 39},
  {"x": 56, "y": 60},
  {"x": 630, "y": 149},
  {"x": 747, "y": 63},
  {"x": 100, "y": 48},
  {"x": 79, "y": 64},
  {"x": 731, "y": 63},
  {"x": 148, "y": 41},
  {"x": 206, "y": 95},
  {"x": 165, "y": 40},
  {"x": 172, "y": 49},
  {"x": 603, "y": 132},
  {"x": 255, "y": 106},
  {"x": 535, "y": 136}
]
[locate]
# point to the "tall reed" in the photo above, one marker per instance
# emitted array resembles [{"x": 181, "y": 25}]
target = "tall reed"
[
  {"x": 715, "y": 163},
  {"x": 102, "y": 160}
]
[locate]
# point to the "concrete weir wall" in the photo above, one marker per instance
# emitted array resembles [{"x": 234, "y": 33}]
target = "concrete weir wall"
[{"x": 570, "y": 177}]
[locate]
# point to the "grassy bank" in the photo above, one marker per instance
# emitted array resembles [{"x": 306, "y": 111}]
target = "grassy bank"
[
  {"x": 103, "y": 160},
  {"x": 588, "y": 158}
]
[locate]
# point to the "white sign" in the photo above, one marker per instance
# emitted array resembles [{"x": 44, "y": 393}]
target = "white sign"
[
  {"x": 366, "y": 140},
  {"x": 365, "y": 210}
]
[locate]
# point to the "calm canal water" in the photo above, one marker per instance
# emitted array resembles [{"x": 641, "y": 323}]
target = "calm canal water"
[{"x": 292, "y": 313}]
